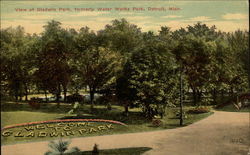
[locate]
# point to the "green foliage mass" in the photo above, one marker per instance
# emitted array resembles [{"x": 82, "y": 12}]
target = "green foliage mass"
[{"x": 138, "y": 68}]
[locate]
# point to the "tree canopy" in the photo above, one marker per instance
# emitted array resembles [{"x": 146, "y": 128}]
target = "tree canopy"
[{"x": 138, "y": 68}]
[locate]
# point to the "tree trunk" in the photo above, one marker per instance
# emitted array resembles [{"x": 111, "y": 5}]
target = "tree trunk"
[
  {"x": 92, "y": 95},
  {"x": 232, "y": 91},
  {"x": 126, "y": 105},
  {"x": 181, "y": 100},
  {"x": 46, "y": 97},
  {"x": 58, "y": 95},
  {"x": 16, "y": 96},
  {"x": 222, "y": 93},
  {"x": 65, "y": 94},
  {"x": 26, "y": 96},
  {"x": 214, "y": 96},
  {"x": 194, "y": 97},
  {"x": 26, "y": 91},
  {"x": 199, "y": 93},
  {"x": 149, "y": 112},
  {"x": 20, "y": 97}
]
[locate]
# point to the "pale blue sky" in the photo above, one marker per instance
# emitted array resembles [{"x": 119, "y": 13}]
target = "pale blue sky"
[{"x": 225, "y": 15}]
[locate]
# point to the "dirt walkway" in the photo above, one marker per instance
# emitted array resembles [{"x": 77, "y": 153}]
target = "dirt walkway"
[{"x": 224, "y": 133}]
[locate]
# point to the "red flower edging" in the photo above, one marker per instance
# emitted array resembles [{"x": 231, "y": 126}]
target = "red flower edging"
[{"x": 66, "y": 120}]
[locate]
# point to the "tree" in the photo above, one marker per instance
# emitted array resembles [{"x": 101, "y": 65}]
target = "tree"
[
  {"x": 229, "y": 64},
  {"x": 29, "y": 66},
  {"x": 16, "y": 63},
  {"x": 124, "y": 93},
  {"x": 221, "y": 69},
  {"x": 194, "y": 52},
  {"x": 96, "y": 64},
  {"x": 195, "y": 56},
  {"x": 98, "y": 68},
  {"x": 151, "y": 75},
  {"x": 53, "y": 57},
  {"x": 121, "y": 36},
  {"x": 239, "y": 46}
]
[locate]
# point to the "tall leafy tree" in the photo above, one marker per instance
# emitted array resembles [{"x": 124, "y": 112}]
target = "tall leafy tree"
[
  {"x": 239, "y": 46},
  {"x": 195, "y": 53},
  {"x": 230, "y": 64},
  {"x": 16, "y": 66},
  {"x": 96, "y": 64},
  {"x": 151, "y": 75},
  {"x": 121, "y": 36},
  {"x": 54, "y": 51}
]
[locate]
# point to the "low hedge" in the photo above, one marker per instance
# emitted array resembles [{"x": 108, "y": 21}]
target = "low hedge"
[{"x": 199, "y": 110}]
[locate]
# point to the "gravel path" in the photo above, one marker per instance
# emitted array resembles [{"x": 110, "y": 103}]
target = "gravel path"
[{"x": 223, "y": 133}]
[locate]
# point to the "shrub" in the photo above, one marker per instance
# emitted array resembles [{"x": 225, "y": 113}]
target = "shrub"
[
  {"x": 109, "y": 107},
  {"x": 34, "y": 103},
  {"x": 156, "y": 122},
  {"x": 198, "y": 110},
  {"x": 177, "y": 114},
  {"x": 74, "y": 98},
  {"x": 61, "y": 148}
]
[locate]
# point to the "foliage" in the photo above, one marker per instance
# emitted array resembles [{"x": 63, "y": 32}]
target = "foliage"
[
  {"x": 199, "y": 110},
  {"x": 96, "y": 64},
  {"x": 121, "y": 36},
  {"x": 52, "y": 59},
  {"x": 150, "y": 74},
  {"x": 16, "y": 70},
  {"x": 156, "y": 122},
  {"x": 194, "y": 52},
  {"x": 140, "y": 68},
  {"x": 60, "y": 148}
]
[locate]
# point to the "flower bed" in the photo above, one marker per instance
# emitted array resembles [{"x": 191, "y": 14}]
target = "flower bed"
[{"x": 198, "y": 110}]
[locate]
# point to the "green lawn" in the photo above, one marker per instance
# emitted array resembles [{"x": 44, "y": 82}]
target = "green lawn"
[
  {"x": 232, "y": 108},
  {"x": 22, "y": 113},
  {"x": 17, "y": 117}
]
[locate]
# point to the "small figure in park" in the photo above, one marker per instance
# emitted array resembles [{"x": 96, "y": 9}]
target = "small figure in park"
[
  {"x": 238, "y": 105},
  {"x": 95, "y": 150},
  {"x": 75, "y": 108}
]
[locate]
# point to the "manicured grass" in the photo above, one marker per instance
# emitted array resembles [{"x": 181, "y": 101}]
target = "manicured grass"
[
  {"x": 22, "y": 113},
  {"x": 10, "y": 118},
  {"x": 232, "y": 108}
]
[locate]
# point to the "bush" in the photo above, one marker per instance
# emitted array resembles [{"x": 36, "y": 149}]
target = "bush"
[
  {"x": 36, "y": 99},
  {"x": 109, "y": 107},
  {"x": 75, "y": 98},
  {"x": 177, "y": 114},
  {"x": 35, "y": 103},
  {"x": 61, "y": 148},
  {"x": 156, "y": 122},
  {"x": 198, "y": 110}
]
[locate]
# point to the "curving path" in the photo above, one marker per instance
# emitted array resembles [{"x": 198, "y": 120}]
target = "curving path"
[{"x": 223, "y": 133}]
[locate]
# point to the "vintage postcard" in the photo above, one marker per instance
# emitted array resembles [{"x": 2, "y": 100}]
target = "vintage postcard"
[{"x": 125, "y": 77}]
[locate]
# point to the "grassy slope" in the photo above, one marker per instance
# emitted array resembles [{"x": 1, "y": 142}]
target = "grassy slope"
[
  {"x": 232, "y": 108},
  {"x": 22, "y": 113}
]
